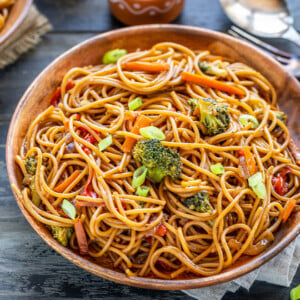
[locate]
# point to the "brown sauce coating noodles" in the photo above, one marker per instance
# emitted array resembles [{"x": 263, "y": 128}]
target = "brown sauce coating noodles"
[
  {"x": 123, "y": 227},
  {"x": 4, "y": 10}
]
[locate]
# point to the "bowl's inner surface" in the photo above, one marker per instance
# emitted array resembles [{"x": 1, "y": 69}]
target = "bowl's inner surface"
[{"x": 37, "y": 98}]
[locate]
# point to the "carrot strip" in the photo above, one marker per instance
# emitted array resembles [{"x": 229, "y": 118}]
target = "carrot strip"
[
  {"x": 250, "y": 161},
  {"x": 81, "y": 237},
  {"x": 290, "y": 205},
  {"x": 67, "y": 182},
  {"x": 141, "y": 122},
  {"x": 216, "y": 84},
  {"x": 213, "y": 58},
  {"x": 145, "y": 66}
]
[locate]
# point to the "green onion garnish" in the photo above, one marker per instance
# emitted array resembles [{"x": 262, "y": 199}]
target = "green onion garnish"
[
  {"x": 245, "y": 119},
  {"x": 152, "y": 132},
  {"x": 69, "y": 209},
  {"x": 295, "y": 293},
  {"x": 139, "y": 177},
  {"x": 217, "y": 169},
  {"x": 257, "y": 185},
  {"x": 135, "y": 104},
  {"x": 105, "y": 143},
  {"x": 142, "y": 191},
  {"x": 113, "y": 55}
]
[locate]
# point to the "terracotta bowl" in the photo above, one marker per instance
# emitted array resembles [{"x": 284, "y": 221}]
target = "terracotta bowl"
[
  {"x": 136, "y": 12},
  {"x": 16, "y": 16},
  {"x": 37, "y": 98}
]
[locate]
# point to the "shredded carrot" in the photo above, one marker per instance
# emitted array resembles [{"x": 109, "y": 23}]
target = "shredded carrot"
[
  {"x": 81, "y": 237},
  {"x": 146, "y": 66},
  {"x": 250, "y": 161},
  {"x": 67, "y": 182},
  {"x": 213, "y": 58},
  {"x": 141, "y": 122},
  {"x": 290, "y": 205},
  {"x": 216, "y": 84}
]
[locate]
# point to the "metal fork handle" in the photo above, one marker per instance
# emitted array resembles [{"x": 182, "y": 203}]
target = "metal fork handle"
[{"x": 292, "y": 35}]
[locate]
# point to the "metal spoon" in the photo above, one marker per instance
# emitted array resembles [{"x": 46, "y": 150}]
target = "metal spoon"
[{"x": 265, "y": 18}]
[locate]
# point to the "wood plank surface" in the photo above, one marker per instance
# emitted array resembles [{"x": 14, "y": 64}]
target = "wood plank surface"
[{"x": 29, "y": 269}]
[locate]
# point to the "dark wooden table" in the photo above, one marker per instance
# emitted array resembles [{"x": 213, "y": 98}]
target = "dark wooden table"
[{"x": 29, "y": 269}]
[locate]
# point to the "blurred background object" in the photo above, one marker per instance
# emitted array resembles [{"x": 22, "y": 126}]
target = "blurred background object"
[
  {"x": 136, "y": 12},
  {"x": 265, "y": 18}
]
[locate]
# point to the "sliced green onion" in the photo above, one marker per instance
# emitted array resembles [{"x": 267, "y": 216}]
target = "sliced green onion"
[
  {"x": 152, "y": 132},
  {"x": 257, "y": 185},
  {"x": 69, "y": 209},
  {"x": 113, "y": 55},
  {"x": 135, "y": 104},
  {"x": 139, "y": 177},
  {"x": 217, "y": 169},
  {"x": 295, "y": 293},
  {"x": 245, "y": 119},
  {"x": 105, "y": 143},
  {"x": 142, "y": 191}
]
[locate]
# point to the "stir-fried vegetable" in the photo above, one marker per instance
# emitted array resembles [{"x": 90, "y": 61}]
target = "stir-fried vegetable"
[
  {"x": 62, "y": 234},
  {"x": 212, "y": 83},
  {"x": 214, "y": 116},
  {"x": 112, "y": 56},
  {"x": 289, "y": 207},
  {"x": 257, "y": 185},
  {"x": 211, "y": 68},
  {"x": 159, "y": 160},
  {"x": 69, "y": 209},
  {"x": 57, "y": 94},
  {"x": 245, "y": 119},
  {"x": 31, "y": 164},
  {"x": 135, "y": 104},
  {"x": 141, "y": 122},
  {"x": 139, "y": 177},
  {"x": 161, "y": 230},
  {"x": 199, "y": 202},
  {"x": 35, "y": 197},
  {"x": 142, "y": 191},
  {"x": 295, "y": 293},
  {"x": 247, "y": 162},
  {"x": 217, "y": 169},
  {"x": 60, "y": 188},
  {"x": 81, "y": 237},
  {"x": 152, "y": 132},
  {"x": 146, "y": 66},
  {"x": 105, "y": 143},
  {"x": 279, "y": 181}
]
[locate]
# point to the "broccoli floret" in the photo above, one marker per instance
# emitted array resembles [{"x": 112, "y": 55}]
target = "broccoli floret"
[
  {"x": 35, "y": 197},
  {"x": 199, "y": 202},
  {"x": 31, "y": 164},
  {"x": 62, "y": 234},
  {"x": 214, "y": 116},
  {"x": 159, "y": 160},
  {"x": 212, "y": 69}
]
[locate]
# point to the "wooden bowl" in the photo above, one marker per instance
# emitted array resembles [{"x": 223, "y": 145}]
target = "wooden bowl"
[
  {"x": 37, "y": 98},
  {"x": 16, "y": 16},
  {"x": 136, "y": 12}
]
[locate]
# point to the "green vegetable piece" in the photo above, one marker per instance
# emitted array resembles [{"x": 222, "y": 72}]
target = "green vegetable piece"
[
  {"x": 245, "y": 119},
  {"x": 280, "y": 115},
  {"x": 152, "y": 132},
  {"x": 69, "y": 209},
  {"x": 62, "y": 234},
  {"x": 35, "y": 197},
  {"x": 295, "y": 293},
  {"x": 159, "y": 160},
  {"x": 139, "y": 177},
  {"x": 112, "y": 56},
  {"x": 142, "y": 191},
  {"x": 257, "y": 185},
  {"x": 105, "y": 143},
  {"x": 199, "y": 202},
  {"x": 214, "y": 116},
  {"x": 217, "y": 169},
  {"x": 135, "y": 104},
  {"x": 212, "y": 69},
  {"x": 31, "y": 164}
]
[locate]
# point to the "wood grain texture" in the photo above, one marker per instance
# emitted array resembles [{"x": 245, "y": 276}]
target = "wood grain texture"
[{"x": 31, "y": 269}]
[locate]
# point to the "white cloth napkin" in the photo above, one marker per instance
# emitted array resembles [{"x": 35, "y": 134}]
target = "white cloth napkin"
[
  {"x": 280, "y": 270},
  {"x": 25, "y": 37}
]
